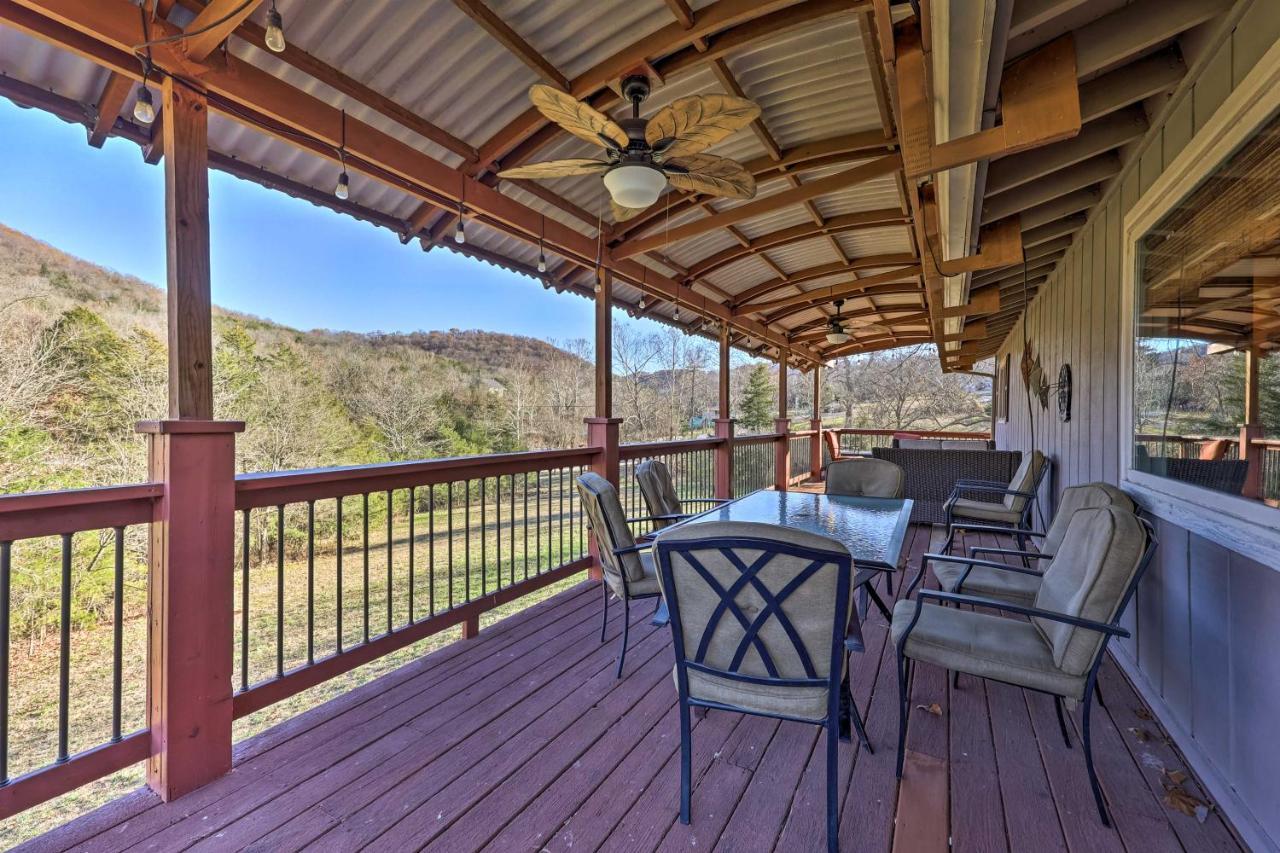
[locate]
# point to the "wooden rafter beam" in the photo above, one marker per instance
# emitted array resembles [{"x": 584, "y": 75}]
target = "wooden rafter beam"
[
  {"x": 823, "y": 295},
  {"x": 215, "y": 22},
  {"x": 512, "y": 41},
  {"x": 871, "y": 343},
  {"x": 727, "y": 25},
  {"x": 110, "y": 105},
  {"x": 849, "y": 148},
  {"x": 823, "y": 186},
  {"x": 871, "y": 293},
  {"x": 105, "y": 31},
  {"x": 1063, "y": 182},
  {"x": 1098, "y": 137},
  {"x": 1137, "y": 26},
  {"x": 908, "y": 315},
  {"x": 767, "y": 288},
  {"x": 841, "y": 224},
  {"x": 1131, "y": 83}
]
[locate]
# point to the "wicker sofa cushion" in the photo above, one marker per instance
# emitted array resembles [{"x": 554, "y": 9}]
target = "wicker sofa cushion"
[
  {"x": 929, "y": 475},
  {"x": 983, "y": 510},
  {"x": 864, "y": 477}
]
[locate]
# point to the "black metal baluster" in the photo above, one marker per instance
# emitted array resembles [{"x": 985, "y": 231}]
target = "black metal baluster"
[
  {"x": 484, "y": 551},
  {"x": 338, "y": 569},
  {"x": 466, "y": 539},
  {"x": 431, "y": 550},
  {"x": 524, "y": 521},
  {"x": 6, "y": 578},
  {"x": 497, "y": 530},
  {"x": 537, "y": 499},
  {"x": 244, "y": 599},
  {"x": 390, "y": 561},
  {"x": 450, "y": 554},
  {"x": 117, "y": 638},
  {"x": 280, "y": 590},
  {"x": 511, "y": 500},
  {"x": 560, "y": 478},
  {"x": 64, "y": 650},
  {"x": 311, "y": 582},
  {"x": 413, "y": 544},
  {"x": 365, "y": 542}
]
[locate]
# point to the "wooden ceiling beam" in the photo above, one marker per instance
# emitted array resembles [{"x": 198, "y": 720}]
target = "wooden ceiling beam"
[
  {"x": 798, "y": 234},
  {"x": 512, "y": 41},
  {"x": 824, "y": 295},
  {"x": 817, "y": 329},
  {"x": 903, "y": 289},
  {"x": 766, "y": 288},
  {"x": 861, "y": 345},
  {"x": 1054, "y": 185},
  {"x": 1131, "y": 83},
  {"x": 111, "y": 101},
  {"x": 823, "y": 186},
  {"x": 106, "y": 30},
  {"x": 1137, "y": 26},
  {"x": 1099, "y": 137},
  {"x": 1051, "y": 211},
  {"x": 1040, "y": 234},
  {"x": 213, "y": 24}
]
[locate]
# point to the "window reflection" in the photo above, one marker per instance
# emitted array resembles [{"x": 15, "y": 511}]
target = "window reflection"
[{"x": 1206, "y": 365}]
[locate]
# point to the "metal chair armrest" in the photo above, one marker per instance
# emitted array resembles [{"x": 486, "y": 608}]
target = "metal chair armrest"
[
  {"x": 712, "y": 501},
  {"x": 1007, "y": 607},
  {"x": 644, "y": 518},
  {"x": 993, "y": 528},
  {"x": 995, "y": 490},
  {"x": 633, "y": 549},
  {"x": 1011, "y": 552}
]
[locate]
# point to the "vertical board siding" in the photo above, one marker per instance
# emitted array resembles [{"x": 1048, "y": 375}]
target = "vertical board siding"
[{"x": 1206, "y": 621}]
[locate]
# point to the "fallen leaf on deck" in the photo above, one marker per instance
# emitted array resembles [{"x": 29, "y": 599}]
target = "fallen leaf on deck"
[
  {"x": 1175, "y": 777},
  {"x": 1141, "y": 734},
  {"x": 1142, "y": 713},
  {"x": 1188, "y": 804},
  {"x": 934, "y": 709}
]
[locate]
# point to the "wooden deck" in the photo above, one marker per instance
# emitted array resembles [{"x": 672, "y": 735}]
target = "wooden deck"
[{"x": 523, "y": 740}]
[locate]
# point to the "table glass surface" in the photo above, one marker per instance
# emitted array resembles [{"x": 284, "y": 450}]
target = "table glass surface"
[{"x": 873, "y": 529}]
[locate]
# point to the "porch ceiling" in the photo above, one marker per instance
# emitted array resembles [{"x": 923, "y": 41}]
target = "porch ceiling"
[{"x": 447, "y": 81}]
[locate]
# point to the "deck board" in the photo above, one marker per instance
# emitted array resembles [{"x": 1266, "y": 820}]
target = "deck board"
[{"x": 522, "y": 739}]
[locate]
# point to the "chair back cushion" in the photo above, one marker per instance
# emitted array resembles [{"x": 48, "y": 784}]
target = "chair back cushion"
[
  {"x": 833, "y": 443},
  {"x": 867, "y": 477},
  {"x": 659, "y": 492},
  {"x": 1089, "y": 577},
  {"x": 1025, "y": 479},
  {"x": 609, "y": 526},
  {"x": 1077, "y": 498},
  {"x": 755, "y": 601}
]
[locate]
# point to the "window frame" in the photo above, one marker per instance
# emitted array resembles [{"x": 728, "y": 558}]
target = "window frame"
[{"x": 1246, "y": 526}]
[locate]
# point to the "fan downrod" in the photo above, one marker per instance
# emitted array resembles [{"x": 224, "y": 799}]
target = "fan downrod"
[{"x": 635, "y": 88}]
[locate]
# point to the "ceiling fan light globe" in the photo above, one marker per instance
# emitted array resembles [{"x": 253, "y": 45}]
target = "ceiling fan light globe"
[
  {"x": 635, "y": 185},
  {"x": 837, "y": 337}
]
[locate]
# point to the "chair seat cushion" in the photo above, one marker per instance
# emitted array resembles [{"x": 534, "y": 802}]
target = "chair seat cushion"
[
  {"x": 984, "y": 510},
  {"x": 1014, "y": 587},
  {"x": 983, "y": 644},
  {"x": 646, "y": 585},
  {"x": 805, "y": 703}
]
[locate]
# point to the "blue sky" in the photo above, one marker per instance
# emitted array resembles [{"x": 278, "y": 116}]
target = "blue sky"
[{"x": 272, "y": 255}]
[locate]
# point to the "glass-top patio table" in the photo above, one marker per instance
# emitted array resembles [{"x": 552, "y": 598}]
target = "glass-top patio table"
[{"x": 873, "y": 529}]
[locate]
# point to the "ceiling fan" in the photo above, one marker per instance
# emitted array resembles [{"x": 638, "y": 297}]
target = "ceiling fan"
[
  {"x": 643, "y": 155},
  {"x": 836, "y": 333}
]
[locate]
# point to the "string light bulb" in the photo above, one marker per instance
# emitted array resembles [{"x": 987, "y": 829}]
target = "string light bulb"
[
  {"x": 640, "y": 305},
  {"x": 459, "y": 232},
  {"x": 275, "y": 30},
  {"x": 144, "y": 109},
  {"x": 677, "y": 314},
  {"x": 542, "y": 258},
  {"x": 343, "y": 189}
]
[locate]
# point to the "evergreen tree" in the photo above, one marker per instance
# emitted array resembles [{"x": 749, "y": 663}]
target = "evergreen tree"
[{"x": 756, "y": 408}]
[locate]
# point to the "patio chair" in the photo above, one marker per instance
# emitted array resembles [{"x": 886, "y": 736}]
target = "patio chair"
[
  {"x": 1013, "y": 512},
  {"x": 833, "y": 446},
  {"x": 1076, "y": 612},
  {"x": 659, "y": 493},
  {"x": 864, "y": 477},
  {"x": 987, "y": 579},
  {"x": 628, "y": 567},
  {"x": 759, "y": 616}
]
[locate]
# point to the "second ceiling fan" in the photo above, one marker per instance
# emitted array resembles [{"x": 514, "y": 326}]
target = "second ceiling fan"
[{"x": 643, "y": 155}]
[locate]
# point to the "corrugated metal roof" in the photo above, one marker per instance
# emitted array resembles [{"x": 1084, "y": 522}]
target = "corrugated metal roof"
[{"x": 811, "y": 81}]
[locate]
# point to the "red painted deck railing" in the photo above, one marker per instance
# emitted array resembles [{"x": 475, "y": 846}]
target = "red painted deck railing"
[{"x": 335, "y": 567}]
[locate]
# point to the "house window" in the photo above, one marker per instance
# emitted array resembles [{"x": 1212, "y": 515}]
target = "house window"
[{"x": 1206, "y": 342}]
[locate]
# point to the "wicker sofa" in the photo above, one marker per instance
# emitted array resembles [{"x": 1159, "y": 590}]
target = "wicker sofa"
[{"x": 931, "y": 474}]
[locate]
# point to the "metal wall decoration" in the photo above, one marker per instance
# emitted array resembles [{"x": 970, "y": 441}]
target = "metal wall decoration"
[{"x": 1064, "y": 393}]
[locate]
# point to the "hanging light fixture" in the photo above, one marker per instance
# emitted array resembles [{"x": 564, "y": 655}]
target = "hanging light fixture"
[
  {"x": 343, "y": 189},
  {"x": 275, "y": 30},
  {"x": 459, "y": 230},
  {"x": 640, "y": 305},
  {"x": 542, "y": 255},
  {"x": 835, "y": 329},
  {"x": 635, "y": 185},
  {"x": 144, "y": 109}
]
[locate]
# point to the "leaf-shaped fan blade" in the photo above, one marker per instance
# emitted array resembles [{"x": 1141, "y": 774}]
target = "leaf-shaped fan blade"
[
  {"x": 712, "y": 175},
  {"x": 576, "y": 117},
  {"x": 556, "y": 169},
  {"x": 622, "y": 214},
  {"x": 693, "y": 124}
]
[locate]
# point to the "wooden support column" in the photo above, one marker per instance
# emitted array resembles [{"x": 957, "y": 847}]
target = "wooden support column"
[
  {"x": 189, "y": 587},
  {"x": 1252, "y": 429},
  {"x": 815, "y": 424},
  {"x": 724, "y": 423},
  {"x": 782, "y": 447},
  {"x": 602, "y": 430},
  {"x": 186, "y": 210}
]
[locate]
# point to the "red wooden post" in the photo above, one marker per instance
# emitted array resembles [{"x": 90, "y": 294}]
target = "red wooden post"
[
  {"x": 471, "y": 627},
  {"x": 190, "y": 608},
  {"x": 815, "y": 424},
  {"x": 782, "y": 446},
  {"x": 602, "y": 434},
  {"x": 724, "y": 458},
  {"x": 1252, "y": 427}
]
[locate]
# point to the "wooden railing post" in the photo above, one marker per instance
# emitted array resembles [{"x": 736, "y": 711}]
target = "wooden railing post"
[
  {"x": 602, "y": 434},
  {"x": 190, "y": 607},
  {"x": 782, "y": 454},
  {"x": 724, "y": 458}
]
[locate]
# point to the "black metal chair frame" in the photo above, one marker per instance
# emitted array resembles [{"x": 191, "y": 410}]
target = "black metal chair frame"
[
  {"x": 1019, "y": 530},
  {"x": 627, "y": 597},
  {"x": 1107, "y": 629},
  {"x": 834, "y": 682}
]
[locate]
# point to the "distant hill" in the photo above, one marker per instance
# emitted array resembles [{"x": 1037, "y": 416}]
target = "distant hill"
[{"x": 484, "y": 352}]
